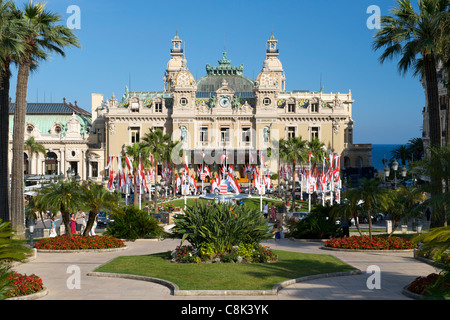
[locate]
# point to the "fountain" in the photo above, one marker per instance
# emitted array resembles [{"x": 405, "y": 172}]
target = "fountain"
[{"x": 227, "y": 197}]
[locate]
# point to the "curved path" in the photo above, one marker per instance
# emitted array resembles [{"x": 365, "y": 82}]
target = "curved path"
[{"x": 397, "y": 270}]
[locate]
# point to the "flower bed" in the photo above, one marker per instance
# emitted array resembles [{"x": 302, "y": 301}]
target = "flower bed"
[
  {"x": 376, "y": 243},
  {"x": 79, "y": 243},
  {"x": 421, "y": 284},
  {"x": 23, "y": 285},
  {"x": 239, "y": 254}
]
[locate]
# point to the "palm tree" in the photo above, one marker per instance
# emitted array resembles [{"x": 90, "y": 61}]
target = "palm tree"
[
  {"x": 11, "y": 35},
  {"x": 317, "y": 150},
  {"x": 33, "y": 147},
  {"x": 415, "y": 149},
  {"x": 96, "y": 197},
  {"x": 412, "y": 35},
  {"x": 350, "y": 207},
  {"x": 10, "y": 248},
  {"x": 43, "y": 37},
  {"x": 135, "y": 152},
  {"x": 156, "y": 142},
  {"x": 402, "y": 204},
  {"x": 437, "y": 167},
  {"x": 373, "y": 198},
  {"x": 293, "y": 150},
  {"x": 65, "y": 197},
  {"x": 401, "y": 153}
]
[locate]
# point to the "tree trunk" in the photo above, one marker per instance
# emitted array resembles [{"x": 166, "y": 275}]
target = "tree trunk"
[
  {"x": 17, "y": 200},
  {"x": 136, "y": 194},
  {"x": 293, "y": 186},
  {"x": 433, "y": 100},
  {"x": 433, "y": 117},
  {"x": 90, "y": 223},
  {"x": 357, "y": 224},
  {"x": 370, "y": 224},
  {"x": 156, "y": 190},
  {"x": 4, "y": 142}
]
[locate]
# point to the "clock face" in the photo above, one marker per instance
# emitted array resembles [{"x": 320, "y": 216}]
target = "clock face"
[{"x": 224, "y": 101}]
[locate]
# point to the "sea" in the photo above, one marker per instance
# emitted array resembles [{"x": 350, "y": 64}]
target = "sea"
[{"x": 379, "y": 152}]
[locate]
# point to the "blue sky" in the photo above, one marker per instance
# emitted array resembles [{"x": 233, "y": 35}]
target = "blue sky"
[{"x": 123, "y": 40}]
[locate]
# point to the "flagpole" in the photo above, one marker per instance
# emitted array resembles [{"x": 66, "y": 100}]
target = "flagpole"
[
  {"x": 309, "y": 187},
  {"x": 260, "y": 181},
  {"x": 323, "y": 190}
]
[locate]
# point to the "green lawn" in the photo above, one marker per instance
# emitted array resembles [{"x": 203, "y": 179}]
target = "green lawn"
[{"x": 227, "y": 276}]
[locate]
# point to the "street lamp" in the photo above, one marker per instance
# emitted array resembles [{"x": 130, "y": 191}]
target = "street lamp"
[
  {"x": 31, "y": 225},
  {"x": 387, "y": 172},
  {"x": 395, "y": 168}
]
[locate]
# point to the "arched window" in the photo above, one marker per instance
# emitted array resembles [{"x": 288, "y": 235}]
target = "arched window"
[
  {"x": 359, "y": 162},
  {"x": 347, "y": 162},
  {"x": 51, "y": 163}
]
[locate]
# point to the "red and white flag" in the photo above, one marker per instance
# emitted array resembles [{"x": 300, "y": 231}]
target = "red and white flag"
[{"x": 185, "y": 158}]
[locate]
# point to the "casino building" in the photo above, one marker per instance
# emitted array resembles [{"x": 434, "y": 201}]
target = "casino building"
[{"x": 222, "y": 112}]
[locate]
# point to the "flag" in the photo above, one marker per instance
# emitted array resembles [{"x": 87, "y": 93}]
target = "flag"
[
  {"x": 178, "y": 184},
  {"x": 262, "y": 160},
  {"x": 234, "y": 184},
  {"x": 110, "y": 160},
  {"x": 193, "y": 183},
  {"x": 213, "y": 185},
  {"x": 111, "y": 180},
  {"x": 207, "y": 171},
  {"x": 150, "y": 157},
  {"x": 251, "y": 157},
  {"x": 231, "y": 169},
  {"x": 310, "y": 156},
  {"x": 185, "y": 158},
  {"x": 224, "y": 157},
  {"x": 129, "y": 164}
]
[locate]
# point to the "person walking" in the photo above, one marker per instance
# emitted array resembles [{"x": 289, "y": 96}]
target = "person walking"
[
  {"x": 266, "y": 210},
  {"x": 52, "y": 228},
  {"x": 345, "y": 228},
  {"x": 273, "y": 212}
]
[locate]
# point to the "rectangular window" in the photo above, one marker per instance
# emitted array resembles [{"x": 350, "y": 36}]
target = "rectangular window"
[
  {"x": 291, "y": 107},
  {"x": 158, "y": 128},
  {"x": 94, "y": 166},
  {"x": 315, "y": 107},
  {"x": 158, "y": 107},
  {"x": 135, "y": 135},
  {"x": 290, "y": 132},
  {"x": 246, "y": 134},
  {"x": 225, "y": 134},
  {"x": 314, "y": 133},
  {"x": 134, "y": 107},
  {"x": 204, "y": 134}
]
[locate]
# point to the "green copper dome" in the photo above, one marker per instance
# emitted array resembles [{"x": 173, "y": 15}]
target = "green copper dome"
[{"x": 224, "y": 71}]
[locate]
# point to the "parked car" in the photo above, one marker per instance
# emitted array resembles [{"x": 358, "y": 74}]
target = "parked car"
[
  {"x": 297, "y": 216},
  {"x": 103, "y": 219}
]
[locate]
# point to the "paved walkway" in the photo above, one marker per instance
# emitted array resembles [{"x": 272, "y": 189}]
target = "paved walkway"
[{"x": 397, "y": 270}]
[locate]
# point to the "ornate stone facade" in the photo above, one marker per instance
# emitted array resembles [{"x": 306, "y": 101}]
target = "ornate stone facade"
[{"x": 224, "y": 111}]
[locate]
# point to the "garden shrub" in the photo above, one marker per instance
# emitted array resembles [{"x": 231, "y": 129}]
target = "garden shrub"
[
  {"x": 317, "y": 225},
  {"x": 244, "y": 253},
  {"x": 131, "y": 223},
  {"x": 221, "y": 226}
]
